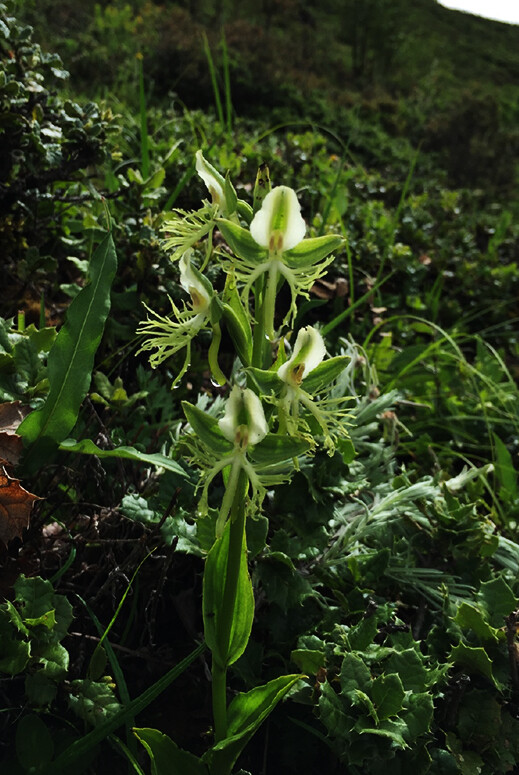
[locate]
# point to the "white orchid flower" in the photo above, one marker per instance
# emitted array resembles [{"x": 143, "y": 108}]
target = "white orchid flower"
[
  {"x": 244, "y": 421},
  {"x": 278, "y": 225},
  {"x": 169, "y": 335},
  {"x": 309, "y": 351},
  {"x": 200, "y": 296},
  {"x": 213, "y": 180}
]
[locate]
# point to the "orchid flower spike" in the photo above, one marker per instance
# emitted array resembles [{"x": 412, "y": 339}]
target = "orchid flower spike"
[{"x": 244, "y": 421}]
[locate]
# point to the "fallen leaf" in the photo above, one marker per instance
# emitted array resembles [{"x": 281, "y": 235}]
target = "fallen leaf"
[
  {"x": 11, "y": 415},
  {"x": 15, "y": 507},
  {"x": 11, "y": 445}
]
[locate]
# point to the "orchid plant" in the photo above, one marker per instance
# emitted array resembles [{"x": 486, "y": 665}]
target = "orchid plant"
[{"x": 280, "y": 406}]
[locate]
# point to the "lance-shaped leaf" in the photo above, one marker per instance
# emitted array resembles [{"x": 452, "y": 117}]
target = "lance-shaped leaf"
[
  {"x": 214, "y": 585},
  {"x": 275, "y": 449},
  {"x": 165, "y": 755},
  {"x": 245, "y": 714},
  {"x": 237, "y": 321},
  {"x": 266, "y": 380},
  {"x": 310, "y": 251},
  {"x": 71, "y": 359},
  {"x": 87, "y": 447},
  {"x": 241, "y": 242},
  {"x": 207, "y": 430},
  {"x": 325, "y": 373}
]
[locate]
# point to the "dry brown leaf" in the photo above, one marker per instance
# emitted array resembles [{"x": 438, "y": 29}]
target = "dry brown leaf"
[
  {"x": 11, "y": 445},
  {"x": 15, "y": 507}
]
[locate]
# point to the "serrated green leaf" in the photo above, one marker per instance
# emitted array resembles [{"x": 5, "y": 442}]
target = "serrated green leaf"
[
  {"x": 53, "y": 660},
  {"x": 409, "y": 666},
  {"x": 87, "y": 447},
  {"x": 363, "y": 634},
  {"x": 354, "y": 675},
  {"x": 71, "y": 360},
  {"x": 498, "y": 600},
  {"x": 308, "y": 660},
  {"x": 470, "y": 617},
  {"x": 474, "y": 660},
  {"x": 165, "y": 755},
  {"x": 48, "y": 620},
  {"x": 418, "y": 715},
  {"x": 207, "y": 430},
  {"x": 34, "y": 596},
  {"x": 388, "y": 695},
  {"x": 213, "y": 591}
]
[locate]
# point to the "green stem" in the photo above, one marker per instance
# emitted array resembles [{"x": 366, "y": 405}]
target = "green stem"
[
  {"x": 269, "y": 306},
  {"x": 225, "y": 619},
  {"x": 258, "y": 337}
]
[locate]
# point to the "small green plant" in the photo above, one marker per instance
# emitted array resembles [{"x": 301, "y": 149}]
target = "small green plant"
[{"x": 278, "y": 409}]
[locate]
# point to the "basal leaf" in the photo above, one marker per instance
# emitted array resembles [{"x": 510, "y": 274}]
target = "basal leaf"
[
  {"x": 245, "y": 714},
  {"x": 34, "y": 743},
  {"x": 71, "y": 359},
  {"x": 165, "y": 755},
  {"x": 498, "y": 600}
]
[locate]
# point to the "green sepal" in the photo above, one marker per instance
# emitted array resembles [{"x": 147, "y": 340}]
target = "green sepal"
[
  {"x": 206, "y": 428},
  {"x": 213, "y": 594},
  {"x": 311, "y": 251},
  {"x": 165, "y": 755},
  {"x": 245, "y": 211},
  {"x": 231, "y": 199},
  {"x": 267, "y": 381},
  {"x": 325, "y": 373},
  {"x": 275, "y": 449},
  {"x": 237, "y": 321},
  {"x": 240, "y": 241},
  {"x": 262, "y": 187},
  {"x": 245, "y": 714}
]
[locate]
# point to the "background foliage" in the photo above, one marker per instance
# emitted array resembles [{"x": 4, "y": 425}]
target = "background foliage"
[{"x": 388, "y": 576}]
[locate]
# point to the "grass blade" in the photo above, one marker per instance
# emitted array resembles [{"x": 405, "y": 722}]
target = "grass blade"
[{"x": 214, "y": 80}]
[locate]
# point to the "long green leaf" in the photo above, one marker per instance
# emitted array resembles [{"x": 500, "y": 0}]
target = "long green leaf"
[
  {"x": 71, "y": 360},
  {"x": 87, "y": 447},
  {"x": 214, "y": 586},
  {"x": 80, "y": 747}
]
